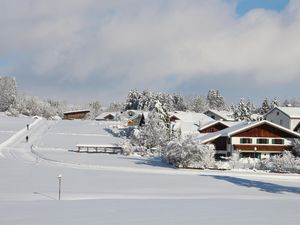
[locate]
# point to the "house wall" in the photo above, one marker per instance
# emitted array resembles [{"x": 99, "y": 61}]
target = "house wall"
[{"x": 278, "y": 117}]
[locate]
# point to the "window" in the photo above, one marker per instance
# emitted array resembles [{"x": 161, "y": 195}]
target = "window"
[
  {"x": 262, "y": 141},
  {"x": 246, "y": 141},
  {"x": 281, "y": 122},
  {"x": 277, "y": 141},
  {"x": 277, "y": 113}
]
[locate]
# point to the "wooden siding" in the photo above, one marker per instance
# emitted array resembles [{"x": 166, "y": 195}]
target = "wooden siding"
[
  {"x": 263, "y": 148},
  {"x": 265, "y": 130},
  {"x": 214, "y": 128},
  {"x": 75, "y": 115}
]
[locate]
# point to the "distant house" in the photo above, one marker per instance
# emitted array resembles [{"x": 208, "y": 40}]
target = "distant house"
[
  {"x": 220, "y": 115},
  {"x": 78, "y": 114},
  {"x": 188, "y": 122},
  {"x": 216, "y": 126},
  {"x": 288, "y": 117},
  {"x": 252, "y": 139},
  {"x": 135, "y": 117},
  {"x": 106, "y": 116}
]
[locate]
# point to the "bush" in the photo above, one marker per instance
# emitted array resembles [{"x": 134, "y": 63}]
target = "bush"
[{"x": 189, "y": 153}]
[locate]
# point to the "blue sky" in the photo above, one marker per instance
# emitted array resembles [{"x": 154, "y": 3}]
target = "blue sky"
[
  {"x": 246, "y": 5},
  {"x": 99, "y": 50}
]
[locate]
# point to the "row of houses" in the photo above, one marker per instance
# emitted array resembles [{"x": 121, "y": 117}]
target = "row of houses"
[{"x": 273, "y": 134}]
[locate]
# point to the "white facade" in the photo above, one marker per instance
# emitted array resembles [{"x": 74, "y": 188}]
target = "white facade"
[{"x": 283, "y": 117}]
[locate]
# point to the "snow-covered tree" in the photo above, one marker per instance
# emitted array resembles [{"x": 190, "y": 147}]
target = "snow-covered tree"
[
  {"x": 215, "y": 100},
  {"x": 133, "y": 99},
  {"x": 116, "y": 107},
  {"x": 189, "y": 153},
  {"x": 243, "y": 110},
  {"x": 95, "y": 109},
  {"x": 146, "y": 100},
  {"x": 274, "y": 103},
  {"x": 197, "y": 104},
  {"x": 8, "y": 92},
  {"x": 265, "y": 107},
  {"x": 156, "y": 132},
  {"x": 178, "y": 103}
]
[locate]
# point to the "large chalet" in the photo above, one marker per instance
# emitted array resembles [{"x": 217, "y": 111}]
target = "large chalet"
[{"x": 252, "y": 139}]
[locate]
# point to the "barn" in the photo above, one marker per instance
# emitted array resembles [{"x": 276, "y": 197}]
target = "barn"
[{"x": 78, "y": 114}]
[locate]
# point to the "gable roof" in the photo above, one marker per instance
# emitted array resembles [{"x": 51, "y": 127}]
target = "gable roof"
[
  {"x": 225, "y": 123},
  {"x": 225, "y": 115},
  {"x": 77, "y": 111},
  {"x": 291, "y": 112},
  {"x": 238, "y": 128}
]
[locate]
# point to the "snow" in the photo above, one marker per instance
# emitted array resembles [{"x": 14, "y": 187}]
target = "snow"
[
  {"x": 292, "y": 112},
  {"x": 67, "y": 134},
  {"x": 115, "y": 189},
  {"x": 226, "y": 115},
  {"x": 189, "y": 121}
]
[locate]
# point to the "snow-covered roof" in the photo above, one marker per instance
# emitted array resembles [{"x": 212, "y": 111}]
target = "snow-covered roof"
[
  {"x": 228, "y": 132},
  {"x": 77, "y": 111},
  {"x": 225, "y": 115},
  {"x": 191, "y": 117},
  {"x": 189, "y": 121},
  {"x": 105, "y": 114},
  {"x": 292, "y": 112}
]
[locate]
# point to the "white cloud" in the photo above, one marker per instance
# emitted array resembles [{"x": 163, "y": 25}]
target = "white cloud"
[{"x": 139, "y": 41}]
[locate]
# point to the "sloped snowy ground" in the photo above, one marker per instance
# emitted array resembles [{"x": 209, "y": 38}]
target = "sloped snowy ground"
[
  {"x": 115, "y": 189},
  {"x": 67, "y": 134},
  {"x": 11, "y": 125}
]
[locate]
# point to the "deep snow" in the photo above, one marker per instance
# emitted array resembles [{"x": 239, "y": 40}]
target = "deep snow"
[{"x": 115, "y": 189}]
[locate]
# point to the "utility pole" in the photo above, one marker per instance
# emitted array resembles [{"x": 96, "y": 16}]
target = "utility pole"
[{"x": 59, "y": 185}]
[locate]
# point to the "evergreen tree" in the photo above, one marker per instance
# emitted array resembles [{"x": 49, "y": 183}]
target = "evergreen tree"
[
  {"x": 243, "y": 110},
  {"x": 265, "y": 107},
  {"x": 274, "y": 103},
  {"x": 215, "y": 100}
]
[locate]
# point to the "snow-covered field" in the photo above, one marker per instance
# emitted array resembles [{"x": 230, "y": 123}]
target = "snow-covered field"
[{"x": 115, "y": 189}]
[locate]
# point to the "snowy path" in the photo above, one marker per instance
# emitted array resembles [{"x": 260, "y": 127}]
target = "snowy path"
[{"x": 16, "y": 146}]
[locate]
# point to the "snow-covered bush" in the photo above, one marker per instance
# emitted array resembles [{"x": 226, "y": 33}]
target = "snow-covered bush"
[
  {"x": 284, "y": 163},
  {"x": 296, "y": 147},
  {"x": 189, "y": 153}
]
